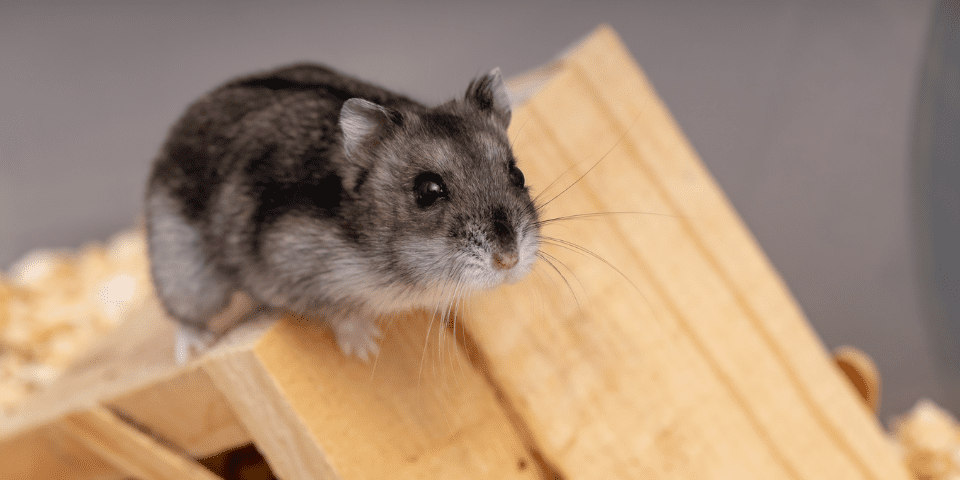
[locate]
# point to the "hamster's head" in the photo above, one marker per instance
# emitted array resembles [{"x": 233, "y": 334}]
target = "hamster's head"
[{"x": 442, "y": 190}]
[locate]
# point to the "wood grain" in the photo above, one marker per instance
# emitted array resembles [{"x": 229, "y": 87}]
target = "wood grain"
[
  {"x": 131, "y": 451},
  {"x": 420, "y": 411},
  {"x": 47, "y": 452},
  {"x": 695, "y": 362}
]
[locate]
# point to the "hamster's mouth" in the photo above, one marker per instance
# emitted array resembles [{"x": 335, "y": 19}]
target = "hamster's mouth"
[
  {"x": 451, "y": 266},
  {"x": 492, "y": 274},
  {"x": 479, "y": 276},
  {"x": 528, "y": 247},
  {"x": 517, "y": 272}
]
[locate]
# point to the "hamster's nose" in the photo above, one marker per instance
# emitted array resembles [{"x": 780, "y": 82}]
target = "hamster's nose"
[{"x": 504, "y": 261}]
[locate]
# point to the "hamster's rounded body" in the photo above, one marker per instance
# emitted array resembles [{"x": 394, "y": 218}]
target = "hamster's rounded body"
[{"x": 317, "y": 193}]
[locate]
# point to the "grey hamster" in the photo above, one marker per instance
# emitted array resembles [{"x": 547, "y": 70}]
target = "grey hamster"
[{"x": 316, "y": 193}]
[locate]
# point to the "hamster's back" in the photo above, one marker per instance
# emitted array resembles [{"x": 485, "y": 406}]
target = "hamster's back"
[
  {"x": 319, "y": 79},
  {"x": 202, "y": 195},
  {"x": 235, "y": 121}
]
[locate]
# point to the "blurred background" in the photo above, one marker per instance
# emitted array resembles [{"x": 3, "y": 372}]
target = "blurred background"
[{"x": 805, "y": 112}]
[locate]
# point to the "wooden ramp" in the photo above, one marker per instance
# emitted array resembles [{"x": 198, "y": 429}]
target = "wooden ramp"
[{"x": 685, "y": 357}]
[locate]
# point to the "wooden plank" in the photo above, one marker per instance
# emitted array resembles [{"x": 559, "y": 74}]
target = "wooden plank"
[
  {"x": 186, "y": 410},
  {"x": 610, "y": 384},
  {"x": 130, "y": 450},
  {"x": 707, "y": 369},
  {"x": 47, "y": 452},
  {"x": 421, "y": 411},
  {"x": 138, "y": 353},
  {"x": 134, "y": 371},
  {"x": 729, "y": 247},
  {"x": 280, "y": 435},
  {"x": 464, "y": 432}
]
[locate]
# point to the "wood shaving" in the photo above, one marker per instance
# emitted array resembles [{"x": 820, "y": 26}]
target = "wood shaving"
[
  {"x": 54, "y": 305},
  {"x": 929, "y": 439}
]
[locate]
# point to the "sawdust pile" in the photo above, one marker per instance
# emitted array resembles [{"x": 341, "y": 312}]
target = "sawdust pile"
[{"x": 54, "y": 305}]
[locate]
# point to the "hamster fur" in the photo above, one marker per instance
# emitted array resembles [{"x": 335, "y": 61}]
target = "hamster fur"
[{"x": 319, "y": 194}]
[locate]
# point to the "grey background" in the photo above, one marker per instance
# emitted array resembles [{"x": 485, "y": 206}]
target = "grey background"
[
  {"x": 935, "y": 171},
  {"x": 801, "y": 110}
]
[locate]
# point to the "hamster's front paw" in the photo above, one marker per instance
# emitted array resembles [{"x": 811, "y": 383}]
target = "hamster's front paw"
[
  {"x": 191, "y": 341},
  {"x": 358, "y": 335}
]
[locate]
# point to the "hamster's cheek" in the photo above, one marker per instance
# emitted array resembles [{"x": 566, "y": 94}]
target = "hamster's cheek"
[
  {"x": 439, "y": 262},
  {"x": 426, "y": 256}
]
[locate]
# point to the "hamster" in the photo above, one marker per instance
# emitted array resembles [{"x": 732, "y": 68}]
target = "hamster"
[{"x": 319, "y": 194}]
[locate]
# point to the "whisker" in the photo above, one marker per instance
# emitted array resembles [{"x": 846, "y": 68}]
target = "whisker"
[
  {"x": 426, "y": 338},
  {"x": 517, "y": 136},
  {"x": 571, "y": 167},
  {"x": 625, "y": 132},
  {"x": 575, "y": 277},
  {"x": 540, "y": 294},
  {"x": 376, "y": 359},
  {"x": 451, "y": 317},
  {"x": 555, "y": 286},
  {"x": 599, "y": 214},
  {"x": 547, "y": 258},
  {"x": 463, "y": 331},
  {"x": 564, "y": 265},
  {"x": 585, "y": 251},
  {"x": 440, "y": 330},
  {"x": 456, "y": 349},
  {"x": 445, "y": 325}
]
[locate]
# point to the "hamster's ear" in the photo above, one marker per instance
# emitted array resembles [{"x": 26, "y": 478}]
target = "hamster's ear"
[
  {"x": 489, "y": 93},
  {"x": 363, "y": 123}
]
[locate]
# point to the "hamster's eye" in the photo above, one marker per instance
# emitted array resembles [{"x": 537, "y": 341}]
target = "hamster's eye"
[
  {"x": 429, "y": 188},
  {"x": 516, "y": 176}
]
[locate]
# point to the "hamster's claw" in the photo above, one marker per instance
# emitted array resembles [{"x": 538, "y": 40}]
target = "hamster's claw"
[{"x": 359, "y": 337}]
